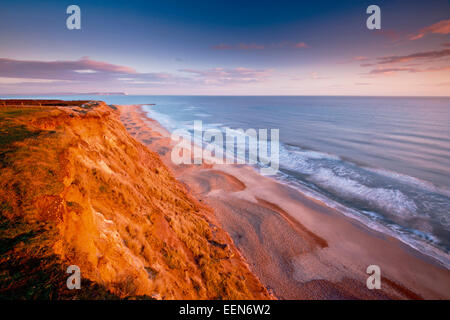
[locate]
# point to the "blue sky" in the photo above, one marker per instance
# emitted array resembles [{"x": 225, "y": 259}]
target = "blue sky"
[{"x": 226, "y": 47}]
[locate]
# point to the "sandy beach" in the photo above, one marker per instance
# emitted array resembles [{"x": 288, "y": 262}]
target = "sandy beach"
[{"x": 297, "y": 246}]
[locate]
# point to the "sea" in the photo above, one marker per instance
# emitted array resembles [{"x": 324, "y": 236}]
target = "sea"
[{"x": 384, "y": 161}]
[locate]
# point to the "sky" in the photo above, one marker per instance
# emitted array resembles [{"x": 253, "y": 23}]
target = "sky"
[{"x": 226, "y": 48}]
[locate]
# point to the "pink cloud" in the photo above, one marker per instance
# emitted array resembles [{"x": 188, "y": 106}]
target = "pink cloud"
[
  {"x": 353, "y": 59},
  {"x": 290, "y": 44},
  {"x": 390, "y": 71},
  {"x": 414, "y": 56},
  {"x": 79, "y": 71},
  {"x": 82, "y": 69},
  {"x": 87, "y": 73},
  {"x": 391, "y": 35},
  {"x": 220, "y": 76},
  {"x": 437, "y": 69},
  {"x": 241, "y": 46},
  {"x": 104, "y": 66},
  {"x": 252, "y": 46},
  {"x": 441, "y": 27},
  {"x": 300, "y": 45},
  {"x": 255, "y": 46}
]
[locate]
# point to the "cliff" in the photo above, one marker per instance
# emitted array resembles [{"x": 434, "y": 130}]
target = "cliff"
[{"x": 77, "y": 189}]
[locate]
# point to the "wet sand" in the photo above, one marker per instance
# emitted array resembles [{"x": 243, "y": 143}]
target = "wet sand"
[{"x": 297, "y": 246}]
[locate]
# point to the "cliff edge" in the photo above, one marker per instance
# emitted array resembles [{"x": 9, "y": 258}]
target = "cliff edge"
[{"x": 77, "y": 189}]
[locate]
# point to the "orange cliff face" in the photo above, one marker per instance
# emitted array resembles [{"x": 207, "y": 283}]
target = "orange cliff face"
[{"x": 77, "y": 189}]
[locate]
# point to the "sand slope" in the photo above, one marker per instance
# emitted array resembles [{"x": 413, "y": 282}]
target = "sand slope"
[{"x": 76, "y": 188}]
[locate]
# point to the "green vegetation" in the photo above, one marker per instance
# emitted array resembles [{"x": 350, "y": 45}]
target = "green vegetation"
[{"x": 11, "y": 131}]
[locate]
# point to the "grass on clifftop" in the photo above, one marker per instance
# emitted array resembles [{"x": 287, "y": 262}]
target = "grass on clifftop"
[{"x": 28, "y": 267}]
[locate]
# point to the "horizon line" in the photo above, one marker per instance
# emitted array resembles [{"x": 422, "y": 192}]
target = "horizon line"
[{"x": 223, "y": 95}]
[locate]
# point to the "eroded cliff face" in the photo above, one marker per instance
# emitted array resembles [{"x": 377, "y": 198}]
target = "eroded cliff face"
[{"x": 77, "y": 189}]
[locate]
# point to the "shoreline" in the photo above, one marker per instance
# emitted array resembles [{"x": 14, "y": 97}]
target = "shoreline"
[{"x": 296, "y": 245}]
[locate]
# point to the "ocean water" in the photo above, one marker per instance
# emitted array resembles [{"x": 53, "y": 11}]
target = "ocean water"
[{"x": 382, "y": 160}]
